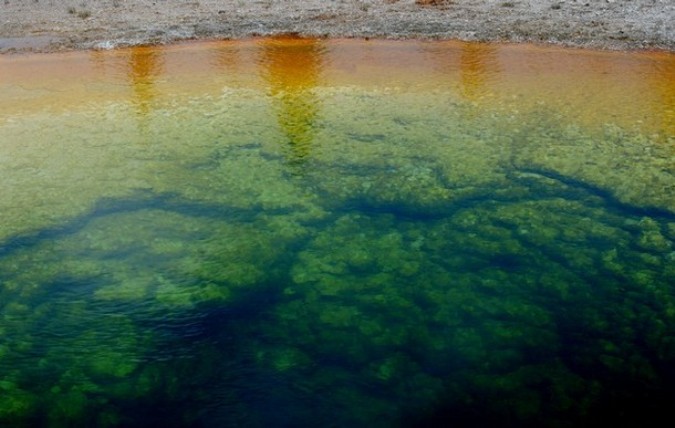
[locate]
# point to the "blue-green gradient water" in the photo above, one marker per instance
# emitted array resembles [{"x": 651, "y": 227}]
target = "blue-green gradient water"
[{"x": 286, "y": 233}]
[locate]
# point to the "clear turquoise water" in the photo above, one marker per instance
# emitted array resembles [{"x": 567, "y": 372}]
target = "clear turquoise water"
[{"x": 312, "y": 252}]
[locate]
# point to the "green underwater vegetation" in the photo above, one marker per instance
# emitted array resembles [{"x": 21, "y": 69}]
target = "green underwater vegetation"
[{"x": 419, "y": 260}]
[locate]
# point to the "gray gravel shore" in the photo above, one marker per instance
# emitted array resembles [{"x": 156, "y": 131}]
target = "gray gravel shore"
[{"x": 52, "y": 25}]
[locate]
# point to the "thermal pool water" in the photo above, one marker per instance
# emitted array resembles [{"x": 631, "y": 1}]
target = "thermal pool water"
[{"x": 294, "y": 232}]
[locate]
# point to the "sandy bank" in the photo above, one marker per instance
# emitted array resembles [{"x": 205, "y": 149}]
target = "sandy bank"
[{"x": 51, "y": 25}]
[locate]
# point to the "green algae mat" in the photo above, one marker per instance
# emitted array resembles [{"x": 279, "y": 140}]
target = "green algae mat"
[{"x": 293, "y": 232}]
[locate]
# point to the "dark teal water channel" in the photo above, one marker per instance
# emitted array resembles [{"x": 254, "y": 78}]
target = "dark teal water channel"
[{"x": 334, "y": 256}]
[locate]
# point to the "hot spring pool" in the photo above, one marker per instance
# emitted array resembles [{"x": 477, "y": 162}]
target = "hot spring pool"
[{"x": 295, "y": 232}]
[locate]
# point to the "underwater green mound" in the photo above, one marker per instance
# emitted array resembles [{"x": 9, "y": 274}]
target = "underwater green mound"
[{"x": 549, "y": 305}]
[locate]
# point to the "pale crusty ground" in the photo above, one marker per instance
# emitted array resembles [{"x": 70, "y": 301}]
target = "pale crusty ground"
[{"x": 52, "y": 25}]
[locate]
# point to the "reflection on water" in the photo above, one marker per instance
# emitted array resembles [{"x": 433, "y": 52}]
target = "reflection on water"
[
  {"x": 478, "y": 64},
  {"x": 337, "y": 233},
  {"x": 292, "y": 69},
  {"x": 662, "y": 78},
  {"x": 145, "y": 65}
]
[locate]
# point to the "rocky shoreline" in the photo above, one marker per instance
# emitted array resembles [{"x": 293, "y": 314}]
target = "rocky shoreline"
[{"x": 54, "y": 25}]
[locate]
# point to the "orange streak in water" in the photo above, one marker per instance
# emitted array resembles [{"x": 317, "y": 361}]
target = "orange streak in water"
[{"x": 585, "y": 87}]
